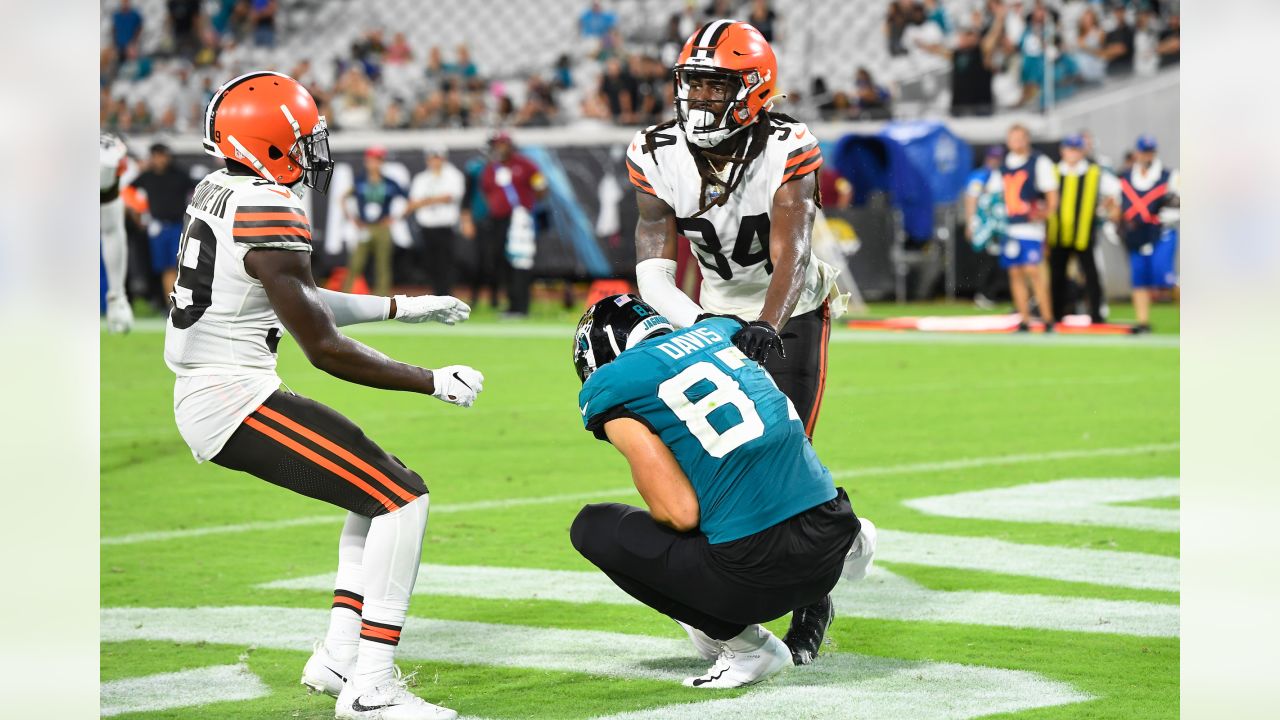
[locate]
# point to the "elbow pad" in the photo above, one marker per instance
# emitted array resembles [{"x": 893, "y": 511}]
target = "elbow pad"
[{"x": 656, "y": 278}]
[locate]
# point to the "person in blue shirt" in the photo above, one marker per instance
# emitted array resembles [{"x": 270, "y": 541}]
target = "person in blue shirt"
[
  {"x": 374, "y": 193},
  {"x": 743, "y": 521}
]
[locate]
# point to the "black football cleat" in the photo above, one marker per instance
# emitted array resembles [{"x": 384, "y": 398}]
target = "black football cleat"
[{"x": 808, "y": 627}]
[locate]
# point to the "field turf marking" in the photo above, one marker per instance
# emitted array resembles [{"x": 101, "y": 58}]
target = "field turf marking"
[
  {"x": 1070, "y": 502},
  {"x": 622, "y": 492},
  {"x": 837, "y": 685},
  {"x": 884, "y": 595},
  {"x": 188, "y": 688}
]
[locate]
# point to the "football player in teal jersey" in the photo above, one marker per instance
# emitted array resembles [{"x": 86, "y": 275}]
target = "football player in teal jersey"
[{"x": 743, "y": 522}]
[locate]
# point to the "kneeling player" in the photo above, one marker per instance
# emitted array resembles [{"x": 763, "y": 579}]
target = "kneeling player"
[
  {"x": 244, "y": 271},
  {"x": 744, "y": 523}
]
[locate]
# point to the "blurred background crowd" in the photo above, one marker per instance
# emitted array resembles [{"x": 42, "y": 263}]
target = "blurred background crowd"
[{"x": 608, "y": 62}]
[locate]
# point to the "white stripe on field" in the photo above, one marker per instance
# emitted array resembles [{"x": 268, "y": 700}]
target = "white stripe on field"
[
  {"x": 337, "y": 517},
  {"x": 838, "y": 685},
  {"x": 885, "y": 596},
  {"x": 622, "y": 492},
  {"x": 966, "y": 463},
  {"x": 1071, "y": 502},
  {"x": 1099, "y": 567},
  {"x": 188, "y": 688},
  {"x": 839, "y": 335}
]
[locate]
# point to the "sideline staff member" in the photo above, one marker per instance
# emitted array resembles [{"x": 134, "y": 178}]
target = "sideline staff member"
[{"x": 1082, "y": 185}]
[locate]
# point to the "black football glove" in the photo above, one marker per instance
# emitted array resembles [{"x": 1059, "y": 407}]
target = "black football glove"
[
  {"x": 757, "y": 339},
  {"x": 708, "y": 316}
]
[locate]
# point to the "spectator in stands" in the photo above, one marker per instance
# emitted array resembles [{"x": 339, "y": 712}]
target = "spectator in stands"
[
  {"x": 672, "y": 42},
  {"x": 972, "y": 66},
  {"x": 126, "y": 26},
  {"x": 399, "y": 52},
  {"x": 539, "y": 109},
  {"x": 689, "y": 19},
  {"x": 716, "y": 10},
  {"x": 394, "y": 117},
  {"x": 1089, "y": 52},
  {"x": 896, "y": 21},
  {"x": 512, "y": 183},
  {"x": 618, "y": 91},
  {"x": 207, "y": 54},
  {"x": 935, "y": 13},
  {"x": 596, "y": 22},
  {"x": 183, "y": 23},
  {"x": 435, "y": 198},
  {"x": 353, "y": 103},
  {"x": 1118, "y": 50},
  {"x": 1170, "y": 41},
  {"x": 435, "y": 71},
  {"x": 504, "y": 112},
  {"x": 562, "y": 74},
  {"x": 263, "y": 17},
  {"x": 763, "y": 18},
  {"x": 168, "y": 189},
  {"x": 871, "y": 101},
  {"x": 463, "y": 67},
  {"x": 1146, "y": 41},
  {"x": 373, "y": 194}
]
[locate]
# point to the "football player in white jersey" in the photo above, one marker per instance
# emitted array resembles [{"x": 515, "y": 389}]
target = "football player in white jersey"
[
  {"x": 244, "y": 274},
  {"x": 113, "y": 158},
  {"x": 741, "y": 184}
]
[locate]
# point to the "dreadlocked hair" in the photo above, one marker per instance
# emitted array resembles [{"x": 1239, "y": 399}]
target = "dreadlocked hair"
[{"x": 743, "y": 150}]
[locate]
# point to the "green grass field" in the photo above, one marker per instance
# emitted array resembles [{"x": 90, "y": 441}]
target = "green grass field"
[{"x": 979, "y": 606}]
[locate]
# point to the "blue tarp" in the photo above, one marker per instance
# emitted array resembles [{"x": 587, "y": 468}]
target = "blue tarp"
[{"x": 919, "y": 164}]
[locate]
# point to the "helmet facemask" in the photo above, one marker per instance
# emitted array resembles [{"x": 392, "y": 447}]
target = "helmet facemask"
[
  {"x": 311, "y": 153},
  {"x": 709, "y": 122}
]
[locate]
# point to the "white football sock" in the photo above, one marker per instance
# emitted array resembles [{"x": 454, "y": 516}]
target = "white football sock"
[
  {"x": 749, "y": 640},
  {"x": 343, "y": 637},
  {"x": 392, "y": 554}
]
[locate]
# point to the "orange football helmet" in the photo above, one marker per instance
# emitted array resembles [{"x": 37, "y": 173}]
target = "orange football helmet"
[
  {"x": 270, "y": 123},
  {"x": 742, "y": 71}
]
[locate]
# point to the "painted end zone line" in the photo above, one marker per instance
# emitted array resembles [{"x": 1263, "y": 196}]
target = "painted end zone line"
[{"x": 942, "y": 466}]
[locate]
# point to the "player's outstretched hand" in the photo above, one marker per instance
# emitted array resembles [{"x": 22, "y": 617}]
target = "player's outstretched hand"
[
  {"x": 119, "y": 314},
  {"x": 757, "y": 339},
  {"x": 458, "y": 384},
  {"x": 423, "y": 308}
]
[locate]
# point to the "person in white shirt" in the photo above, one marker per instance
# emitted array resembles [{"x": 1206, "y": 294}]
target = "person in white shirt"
[
  {"x": 435, "y": 199},
  {"x": 1030, "y": 185}
]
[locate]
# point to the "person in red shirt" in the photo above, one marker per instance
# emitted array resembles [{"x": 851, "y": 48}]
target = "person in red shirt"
[{"x": 512, "y": 184}]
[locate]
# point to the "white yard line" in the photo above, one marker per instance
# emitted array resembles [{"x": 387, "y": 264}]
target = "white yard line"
[
  {"x": 1070, "y": 502},
  {"x": 188, "y": 688},
  {"x": 838, "y": 685},
  {"x": 622, "y": 492},
  {"x": 884, "y": 596}
]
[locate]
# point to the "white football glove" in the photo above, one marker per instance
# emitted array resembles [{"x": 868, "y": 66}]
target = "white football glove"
[
  {"x": 422, "y": 308},
  {"x": 119, "y": 314},
  {"x": 458, "y": 384}
]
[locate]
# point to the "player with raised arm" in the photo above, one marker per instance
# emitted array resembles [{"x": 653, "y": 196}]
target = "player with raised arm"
[
  {"x": 743, "y": 523},
  {"x": 113, "y": 157},
  {"x": 244, "y": 273},
  {"x": 741, "y": 183}
]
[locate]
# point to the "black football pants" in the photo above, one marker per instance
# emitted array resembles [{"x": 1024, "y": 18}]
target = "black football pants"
[
  {"x": 802, "y": 374},
  {"x": 719, "y": 589}
]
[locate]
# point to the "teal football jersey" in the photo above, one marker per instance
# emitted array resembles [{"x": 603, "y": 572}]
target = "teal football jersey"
[{"x": 736, "y": 436}]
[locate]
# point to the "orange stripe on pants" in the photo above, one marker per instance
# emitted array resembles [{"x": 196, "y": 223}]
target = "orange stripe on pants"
[
  {"x": 337, "y": 450},
  {"x": 812, "y": 421},
  {"x": 320, "y": 460}
]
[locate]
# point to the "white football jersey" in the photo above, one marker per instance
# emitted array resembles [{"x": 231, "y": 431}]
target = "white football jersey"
[
  {"x": 222, "y": 332},
  {"x": 112, "y": 158},
  {"x": 731, "y": 241}
]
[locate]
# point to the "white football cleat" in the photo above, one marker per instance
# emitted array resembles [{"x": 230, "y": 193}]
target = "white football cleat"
[
  {"x": 324, "y": 673},
  {"x": 390, "y": 700},
  {"x": 739, "y": 667},
  {"x": 861, "y": 554},
  {"x": 708, "y": 648}
]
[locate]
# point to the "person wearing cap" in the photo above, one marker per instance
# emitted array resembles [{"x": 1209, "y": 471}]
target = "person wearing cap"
[
  {"x": 1084, "y": 188},
  {"x": 985, "y": 226},
  {"x": 1149, "y": 198},
  {"x": 512, "y": 184},
  {"x": 167, "y": 188},
  {"x": 372, "y": 214},
  {"x": 435, "y": 199},
  {"x": 1029, "y": 183}
]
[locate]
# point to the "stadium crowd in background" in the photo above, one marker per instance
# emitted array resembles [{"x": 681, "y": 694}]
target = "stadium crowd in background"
[{"x": 989, "y": 54}]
